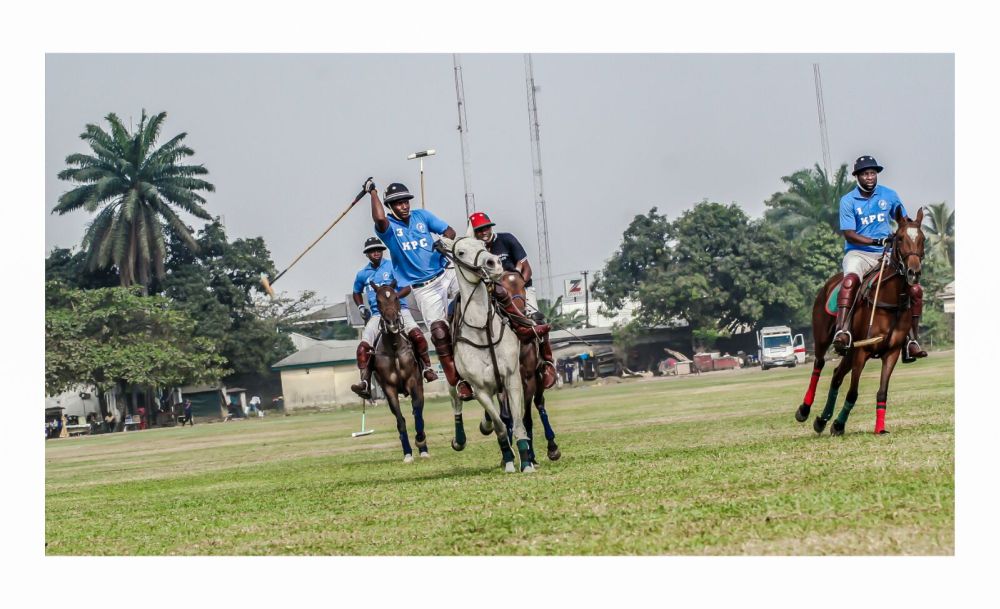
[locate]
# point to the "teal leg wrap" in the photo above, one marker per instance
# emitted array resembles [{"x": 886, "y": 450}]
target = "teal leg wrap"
[
  {"x": 831, "y": 402},
  {"x": 844, "y": 413}
]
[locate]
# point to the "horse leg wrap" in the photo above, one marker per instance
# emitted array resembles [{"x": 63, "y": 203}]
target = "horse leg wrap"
[
  {"x": 508, "y": 454},
  {"x": 459, "y": 430},
  {"x": 845, "y": 412},
  {"x": 405, "y": 441},
  {"x": 811, "y": 392},
  {"x": 831, "y": 403},
  {"x": 544, "y": 416},
  {"x": 441, "y": 336},
  {"x": 880, "y": 418},
  {"x": 524, "y": 452}
]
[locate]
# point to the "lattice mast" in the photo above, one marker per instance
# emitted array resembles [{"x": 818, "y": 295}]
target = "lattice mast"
[
  {"x": 541, "y": 216},
  {"x": 463, "y": 131},
  {"x": 821, "y": 110}
]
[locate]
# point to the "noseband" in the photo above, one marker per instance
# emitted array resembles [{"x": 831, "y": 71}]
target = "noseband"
[{"x": 475, "y": 267}]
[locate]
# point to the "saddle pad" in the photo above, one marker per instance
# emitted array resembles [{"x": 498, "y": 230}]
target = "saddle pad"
[{"x": 831, "y": 301}]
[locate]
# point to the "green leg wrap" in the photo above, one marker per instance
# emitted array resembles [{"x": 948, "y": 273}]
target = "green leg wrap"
[
  {"x": 844, "y": 413},
  {"x": 831, "y": 402}
]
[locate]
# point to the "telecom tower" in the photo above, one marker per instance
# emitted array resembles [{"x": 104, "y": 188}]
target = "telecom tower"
[
  {"x": 824, "y": 138},
  {"x": 541, "y": 217},
  {"x": 463, "y": 130}
]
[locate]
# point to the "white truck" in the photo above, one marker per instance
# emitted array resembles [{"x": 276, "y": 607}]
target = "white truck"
[{"x": 777, "y": 347}]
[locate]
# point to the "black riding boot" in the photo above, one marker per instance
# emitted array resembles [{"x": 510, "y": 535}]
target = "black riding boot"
[{"x": 842, "y": 338}]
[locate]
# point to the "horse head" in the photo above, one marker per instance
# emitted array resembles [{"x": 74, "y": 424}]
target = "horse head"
[
  {"x": 908, "y": 246},
  {"x": 513, "y": 282},
  {"x": 389, "y": 307},
  {"x": 473, "y": 262}
]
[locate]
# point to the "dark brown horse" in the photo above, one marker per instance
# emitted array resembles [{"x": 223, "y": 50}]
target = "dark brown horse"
[
  {"x": 887, "y": 336},
  {"x": 531, "y": 375},
  {"x": 397, "y": 369}
]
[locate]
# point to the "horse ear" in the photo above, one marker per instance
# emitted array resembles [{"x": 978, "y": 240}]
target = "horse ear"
[
  {"x": 394, "y": 284},
  {"x": 920, "y": 217},
  {"x": 469, "y": 232},
  {"x": 372, "y": 283},
  {"x": 899, "y": 214}
]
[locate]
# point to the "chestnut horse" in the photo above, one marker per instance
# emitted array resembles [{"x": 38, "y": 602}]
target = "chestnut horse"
[
  {"x": 531, "y": 376},
  {"x": 901, "y": 261},
  {"x": 398, "y": 370}
]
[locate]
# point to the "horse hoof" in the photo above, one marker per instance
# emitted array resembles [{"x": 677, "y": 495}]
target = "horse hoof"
[
  {"x": 837, "y": 429},
  {"x": 422, "y": 446},
  {"x": 457, "y": 447},
  {"x": 819, "y": 425},
  {"x": 554, "y": 453},
  {"x": 527, "y": 468},
  {"x": 508, "y": 467},
  {"x": 486, "y": 428},
  {"x": 425, "y": 455},
  {"x": 408, "y": 459},
  {"x": 802, "y": 413}
]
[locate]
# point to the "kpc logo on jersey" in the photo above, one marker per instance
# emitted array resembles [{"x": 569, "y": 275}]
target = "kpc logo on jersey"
[{"x": 866, "y": 220}]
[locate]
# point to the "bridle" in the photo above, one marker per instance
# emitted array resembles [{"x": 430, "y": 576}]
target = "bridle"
[
  {"x": 898, "y": 258},
  {"x": 475, "y": 267}
]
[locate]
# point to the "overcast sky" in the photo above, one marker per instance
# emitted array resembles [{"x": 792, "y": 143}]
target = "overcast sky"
[{"x": 288, "y": 139}]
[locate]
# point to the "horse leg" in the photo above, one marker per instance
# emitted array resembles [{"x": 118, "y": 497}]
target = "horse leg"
[
  {"x": 506, "y": 454},
  {"x": 888, "y": 363},
  {"x": 392, "y": 397},
  {"x": 417, "y": 401},
  {"x": 819, "y": 423},
  {"x": 823, "y": 334},
  {"x": 803, "y": 412},
  {"x": 550, "y": 435},
  {"x": 486, "y": 424},
  {"x": 859, "y": 357},
  {"x": 515, "y": 401},
  {"x": 528, "y": 425},
  {"x": 458, "y": 442}
]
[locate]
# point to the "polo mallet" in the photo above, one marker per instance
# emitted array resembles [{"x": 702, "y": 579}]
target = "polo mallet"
[
  {"x": 878, "y": 284},
  {"x": 363, "y": 432},
  {"x": 264, "y": 281}
]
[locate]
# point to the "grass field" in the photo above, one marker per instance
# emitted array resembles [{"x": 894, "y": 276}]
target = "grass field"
[{"x": 713, "y": 464}]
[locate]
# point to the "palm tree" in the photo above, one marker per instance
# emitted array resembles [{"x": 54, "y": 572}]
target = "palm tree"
[
  {"x": 939, "y": 225},
  {"x": 559, "y": 321},
  {"x": 811, "y": 199},
  {"x": 136, "y": 189}
]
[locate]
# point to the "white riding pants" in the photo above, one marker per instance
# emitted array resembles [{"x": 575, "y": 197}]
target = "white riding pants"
[
  {"x": 432, "y": 299},
  {"x": 859, "y": 262},
  {"x": 371, "y": 328}
]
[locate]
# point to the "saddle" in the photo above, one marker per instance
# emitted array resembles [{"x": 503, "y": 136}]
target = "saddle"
[{"x": 867, "y": 285}]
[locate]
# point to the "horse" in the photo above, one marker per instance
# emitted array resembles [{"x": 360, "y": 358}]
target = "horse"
[
  {"x": 486, "y": 350},
  {"x": 398, "y": 370},
  {"x": 531, "y": 377},
  {"x": 900, "y": 272}
]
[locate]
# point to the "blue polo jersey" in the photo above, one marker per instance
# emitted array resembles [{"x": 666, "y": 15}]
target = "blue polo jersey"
[
  {"x": 869, "y": 217},
  {"x": 412, "y": 246},
  {"x": 381, "y": 275}
]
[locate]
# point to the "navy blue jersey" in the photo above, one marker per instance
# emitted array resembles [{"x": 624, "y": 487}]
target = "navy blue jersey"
[{"x": 508, "y": 249}]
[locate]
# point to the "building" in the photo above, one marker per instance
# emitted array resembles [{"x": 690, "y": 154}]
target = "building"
[
  {"x": 947, "y": 296},
  {"x": 321, "y": 375}
]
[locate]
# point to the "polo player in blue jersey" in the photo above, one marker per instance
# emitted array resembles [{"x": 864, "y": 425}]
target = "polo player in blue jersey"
[
  {"x": 379, "y": 271},
  {"x": 864, "y": 220},
  {"x": 409, "y": 235}
]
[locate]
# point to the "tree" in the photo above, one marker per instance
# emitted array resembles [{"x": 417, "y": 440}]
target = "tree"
[
  {"x": 218, "y": 285},
  {"x": 811, "y": 199},
  {"x": 109, "y": 337},
  {"x": 643, "y": 251},
  {"x": 71, "y": 269},
  {"x": 135, "y": 187},
  {"x": 939, "y": 227},
  {"x": 559, "y": 320}
]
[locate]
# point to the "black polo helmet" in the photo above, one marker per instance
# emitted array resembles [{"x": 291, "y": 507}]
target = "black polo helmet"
[
  {"x": 373, "y": 244},
  {"x": 866, "y": 162},
  {"x": 396, "y": 192}
]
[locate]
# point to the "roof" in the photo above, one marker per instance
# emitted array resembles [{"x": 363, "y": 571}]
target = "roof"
[
  {"x": 947, "y": 291},
  {"x": 209, "y": 388},
  {"x": 348, "y": 311}
]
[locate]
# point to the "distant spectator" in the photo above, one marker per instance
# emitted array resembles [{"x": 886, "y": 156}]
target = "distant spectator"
[
  {"x": 255, "y": 406},
  {"x": 109, "y": 422},
  {"x": 142, "y": 417},
  {"x": 188, "y": 418},
  {"x": 570, "y": 367}
]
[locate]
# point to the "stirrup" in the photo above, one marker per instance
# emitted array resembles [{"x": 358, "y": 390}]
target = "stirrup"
[
  {"x": 363, "y": 389},
  {"x": 433, "y": 374},
  {"x": 909, "y": 359},
  {"x": 850, "y": 341}
]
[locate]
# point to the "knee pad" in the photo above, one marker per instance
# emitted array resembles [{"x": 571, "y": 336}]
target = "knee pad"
[
  {"x": 847, "y": 286},
  {"x": 916, "y": 300}
]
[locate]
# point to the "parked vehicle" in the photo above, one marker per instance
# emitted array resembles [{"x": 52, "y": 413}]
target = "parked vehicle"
[{"x": 777, "y": 347}]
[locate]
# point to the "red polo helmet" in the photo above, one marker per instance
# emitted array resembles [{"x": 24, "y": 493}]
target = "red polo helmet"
[{"x": 480, "y": 220}]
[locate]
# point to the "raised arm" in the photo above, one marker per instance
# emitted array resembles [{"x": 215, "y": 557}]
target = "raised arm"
[{"x": 378, "y": 210}]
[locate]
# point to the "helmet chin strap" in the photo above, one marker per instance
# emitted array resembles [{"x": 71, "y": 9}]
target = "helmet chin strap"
[{"x": 867, "y": 191}]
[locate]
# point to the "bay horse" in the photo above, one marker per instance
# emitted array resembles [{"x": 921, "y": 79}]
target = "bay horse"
[
  {"x": 486, "y": 350},
  {"x": 531, "y": 376},
  {"x": 901, "y": 261},
  {"x": 397, "y": 369}
]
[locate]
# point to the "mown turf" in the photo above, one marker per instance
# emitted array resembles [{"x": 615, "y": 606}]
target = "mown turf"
[{"x": 712, "y": 464}]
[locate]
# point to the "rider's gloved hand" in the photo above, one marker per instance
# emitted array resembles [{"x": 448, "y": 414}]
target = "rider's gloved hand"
[
  {"x": 439, "y": 247},
  {"x": 368, "y": 186},
  {"x": 878, "y": 242},
  {"x": 366, "y": 314}
]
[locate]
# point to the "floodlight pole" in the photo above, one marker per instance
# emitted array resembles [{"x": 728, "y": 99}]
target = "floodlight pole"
[{"x": 420, "y": 155}]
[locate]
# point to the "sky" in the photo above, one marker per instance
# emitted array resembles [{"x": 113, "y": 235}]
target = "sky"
[{"x": 289, "y": 138}]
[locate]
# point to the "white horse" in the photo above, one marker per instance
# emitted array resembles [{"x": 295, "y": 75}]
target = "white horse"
[{"x": 478, "y": 331}]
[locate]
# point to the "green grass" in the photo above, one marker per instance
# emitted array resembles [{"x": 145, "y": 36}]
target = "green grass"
[{"x": 714, "y": 464}]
